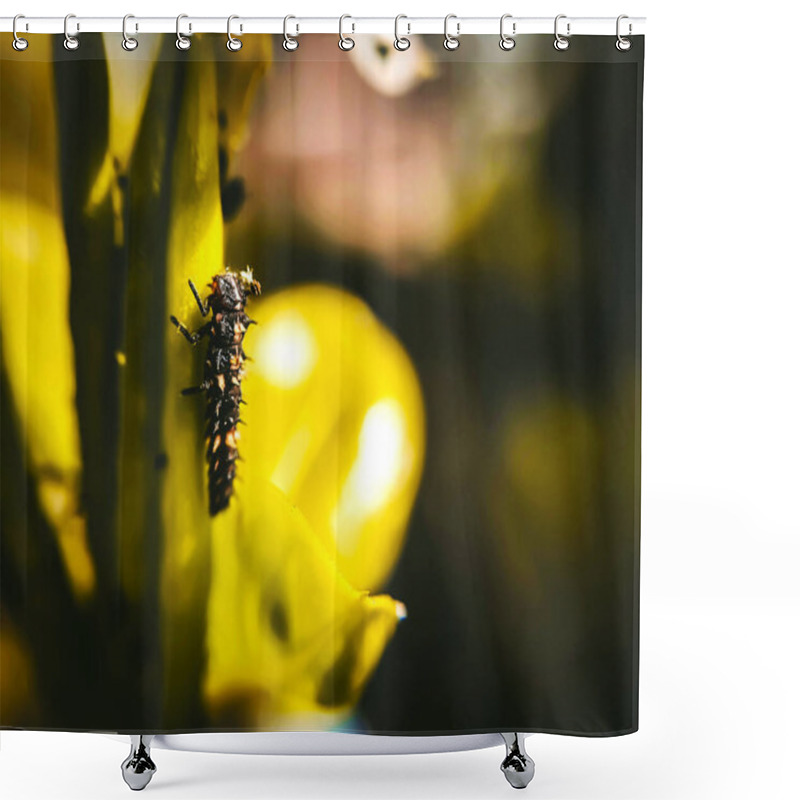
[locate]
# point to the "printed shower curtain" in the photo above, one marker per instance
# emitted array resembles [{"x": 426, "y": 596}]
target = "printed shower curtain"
[{"x": 401, "y": 495}]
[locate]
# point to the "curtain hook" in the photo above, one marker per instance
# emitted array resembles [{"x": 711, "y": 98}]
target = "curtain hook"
[
  {"x": 128, "y": 42},
  {"x": 507, "y": 42},
  {"x": 451, "y": 42},
  {"x": 623, "y": 43},
  {"x": 345, "y": 42},
  {"x": 561, "y": 42},
  {"x": 233, "y": 44},
  {"x": 290, "y": 43},
  {"x": 182, "y": 42},
  {"x": 19, "y": 43},
  {"x": 401, "y": 43},
  {"x": 70, "y": 42}
]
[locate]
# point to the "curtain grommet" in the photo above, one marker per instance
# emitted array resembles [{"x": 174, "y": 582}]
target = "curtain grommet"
[
  {"x": 70, "y": 42},
  {"x": 290, "y": 43},
  {"x": 346, "y": 43},
  {"x": 561, "y": 42},
  {"x": 233, "y": 44},
  {"x": 451, "y": 42},
  {"x": 401, "y": 43},
  {"x": 182, "y": 42},
  {"x": 623, "y": 44},
  {"x": 128, "y": 43},
  {"x": 19, "y": 44},
  {"x": 507, "y": 42}
]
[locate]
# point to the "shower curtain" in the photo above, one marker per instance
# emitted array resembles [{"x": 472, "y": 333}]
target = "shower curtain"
[{"x": 320, "y": 385}]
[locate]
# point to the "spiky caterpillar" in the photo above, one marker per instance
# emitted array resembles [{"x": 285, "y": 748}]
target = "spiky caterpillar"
[{"x": 222, "y": 375}]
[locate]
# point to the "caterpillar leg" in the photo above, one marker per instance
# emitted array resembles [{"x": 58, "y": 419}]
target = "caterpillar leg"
[
  {"x": 192, "y": 338},
  {"x": 196, "y": 389},
  {"x": 204, "y": 307}
]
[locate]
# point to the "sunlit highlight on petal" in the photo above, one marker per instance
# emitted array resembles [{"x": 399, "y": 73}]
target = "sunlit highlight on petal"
[
  {"x": 384, "y": 457},
  {"x": 287, "y": 352}
]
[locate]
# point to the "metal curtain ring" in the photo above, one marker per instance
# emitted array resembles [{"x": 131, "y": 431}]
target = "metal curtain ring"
[
  {"x": 70, "y": 42},
  {"x": 182, "y": 42},
  {"x": 19, "y": 43},
  {"x": 451, "y": 42},
  {"x": 623, "y": 43},
  {"x": 290, "y": 43},
  {"x": 233, "y": 44},
  {"x": 561, "y": 42},
  {"x": 128, "y": 42},
  {"x": 401, "y": 43},
  {"x": 507, "y": 42},
  {"x": 345, "y": 42}
]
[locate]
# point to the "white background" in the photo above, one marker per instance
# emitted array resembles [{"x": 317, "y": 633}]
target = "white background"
[{"x": 720, "y": 703}]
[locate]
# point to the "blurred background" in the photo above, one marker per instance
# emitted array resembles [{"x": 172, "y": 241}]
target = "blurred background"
[{"x": 486, "y": 212}]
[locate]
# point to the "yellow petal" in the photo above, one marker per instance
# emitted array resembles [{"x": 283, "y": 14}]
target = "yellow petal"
[
  {"x": 290, "y": 643},
  {"x": 335, "y": 419}
]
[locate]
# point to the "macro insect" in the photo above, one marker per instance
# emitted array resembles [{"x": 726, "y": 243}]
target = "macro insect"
[{"x": 223, "y": 371}]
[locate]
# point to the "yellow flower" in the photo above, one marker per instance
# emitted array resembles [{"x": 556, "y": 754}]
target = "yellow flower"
[{"x": 335, "y": 420}]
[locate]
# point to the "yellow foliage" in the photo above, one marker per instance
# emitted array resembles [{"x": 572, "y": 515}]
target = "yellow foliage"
[
  {"x": 38, "y": 358},
  {"x": 28, "y": 161},
  {"x": 194, "y": 251},
  {"x": 129, "y": 76},
  {"x": 37, "y": 345},
  {"x": 18, "y": 705},
  {"x": 274, "y": 592}
]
